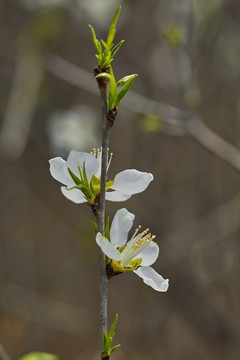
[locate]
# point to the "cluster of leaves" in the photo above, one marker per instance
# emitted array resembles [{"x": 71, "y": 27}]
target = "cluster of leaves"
[
  {"x": 115, "y": 97},
  {"x": 107, "y": 340},
  {"x": 105, "y": 58}
]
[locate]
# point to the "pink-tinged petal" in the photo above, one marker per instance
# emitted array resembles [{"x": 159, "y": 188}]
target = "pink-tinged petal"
[
  {"x": 107, "y": 248},
  {"x": 149, "y": 254},
  {"x": 77, "y": 158},
  {"x": 74, "y": 195},
  {"x": 116, "y": 196},
  {"x": 152, "y": 278},
  {"x": 131, "y": 181},
  {"x": 121, "y": 224},
  {"x": 59, "y": 171}
]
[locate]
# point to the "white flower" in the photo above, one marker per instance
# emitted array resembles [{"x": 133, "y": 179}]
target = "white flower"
[
  {"x": 81, "y": 175},
  {"x": 135, "y": 255}
]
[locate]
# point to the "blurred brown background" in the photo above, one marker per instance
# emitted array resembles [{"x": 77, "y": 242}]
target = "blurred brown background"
[{"x": 181, "y": 122}]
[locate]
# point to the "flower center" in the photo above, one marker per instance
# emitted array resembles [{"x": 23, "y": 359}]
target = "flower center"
[{"x": 135, "y": 246}]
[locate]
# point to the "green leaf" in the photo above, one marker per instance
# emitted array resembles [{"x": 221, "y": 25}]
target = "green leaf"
[
  {"x": 39, "y": 356},
  {"x": 85, "y": 175},
  {"x": 94, "y": 225},
  {"x": 112, "y": 29},
  {"x": 112, "y": 97},
  {"x": 107, "y": 231},
  {"x": 115, "y": 348},
  {"x": 74, "y": 177},
  {"x": 80, "y": 173},
  {"x": 125, "y": 89},
  {"x": 104, "y": 338},
  {"x": 88, "y": 194},
  {"x": 125, "y": 79},
  {"x": 107, "y": 340},
  {"x": 96, "y": 41},
  {"x": 111, "y": 333},
  {"x": 116, "y": 48},
  {"x": 104, "y": 44}
]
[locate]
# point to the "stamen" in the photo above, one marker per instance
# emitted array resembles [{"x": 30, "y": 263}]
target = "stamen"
[
  {"x": 136, "y": 231},
  {"x": 109, "y": 160},
  {"x": 94, "y": 152}
]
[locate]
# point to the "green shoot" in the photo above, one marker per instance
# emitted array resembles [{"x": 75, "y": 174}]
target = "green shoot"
[
  {"x": 107, "y": 339},
  {"x": 106, "y": 57}
]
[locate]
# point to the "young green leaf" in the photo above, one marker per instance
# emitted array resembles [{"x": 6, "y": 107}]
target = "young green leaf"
[
  {"x": 88, "y": 194},
  {"x": 104, "y": 338},
  {"x": 85, "y": 175},
  {"x": 104, "y": 44},
  {"x": 94, "y": 225},
  {"x": 74, "y": 177},
  {"x": 112, "y": 29},
  {"x": 107, "y": 231},
  {"x": 112, "y": 97},
  {"x": 111, "y": 333},
  {"x": 107, "y": 340},
  {"x": 125, "y": 79},
  {"x": 125, "y": 89},
  {"x": 96, "y": 42},
  {"x": 116, "y": 48},
  {"x": 115, "y": 348}
]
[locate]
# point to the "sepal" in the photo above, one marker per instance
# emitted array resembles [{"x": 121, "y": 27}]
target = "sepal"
[{"x": 132, "y": 265}]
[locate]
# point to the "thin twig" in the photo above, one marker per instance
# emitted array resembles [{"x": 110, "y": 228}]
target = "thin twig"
[{"x": 101, "y": 214}]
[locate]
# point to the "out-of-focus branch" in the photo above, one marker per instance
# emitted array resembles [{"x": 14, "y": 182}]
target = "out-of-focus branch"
[
  {"x": 213, "y": 142},
  {"x": 22, "y": 103},
  {"x": 3, "y": 354},
  {"x": 176, "y": 121}
]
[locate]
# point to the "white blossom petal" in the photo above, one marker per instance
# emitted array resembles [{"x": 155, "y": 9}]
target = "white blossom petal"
[
  {"x": 59, "y": 171},
  {"x": 121, "y": 225},
  {"x": 152, "y": 278},
  {"x": 131, "y": 181},
  {"x": 74, "y": 195},
  {"x": 149, "y": 254},
  {"x": 77, "y": 158},
  {"x": 116, "y": 196},
  {"x": 107, "y": 248}
]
